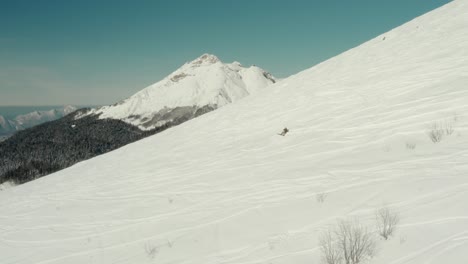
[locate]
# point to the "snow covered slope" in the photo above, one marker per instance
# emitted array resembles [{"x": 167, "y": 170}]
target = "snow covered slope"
[
  {"x": 224, "y": 188},
  {"x": 201, "y": 85}
]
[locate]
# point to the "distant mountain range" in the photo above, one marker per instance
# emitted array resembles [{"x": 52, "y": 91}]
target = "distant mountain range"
[
  {"x": 9, "y": 126},
  {"x": 198, "y": 87}
]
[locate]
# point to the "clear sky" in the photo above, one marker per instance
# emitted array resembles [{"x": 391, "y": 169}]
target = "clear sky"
[{"x": 97, "y": 52}]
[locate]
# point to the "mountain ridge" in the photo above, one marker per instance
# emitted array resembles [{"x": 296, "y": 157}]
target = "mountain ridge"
[
  {"x": 23, "y": 121},
  {"x": 202, "y": 84}
]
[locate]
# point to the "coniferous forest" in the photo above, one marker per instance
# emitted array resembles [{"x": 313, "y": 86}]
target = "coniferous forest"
[{"x": 55, "y": 145}]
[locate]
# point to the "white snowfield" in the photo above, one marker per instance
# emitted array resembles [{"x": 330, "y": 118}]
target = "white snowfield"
[
  {"x": 206, "y": 81},
  {"x": 225, "y": 188}
]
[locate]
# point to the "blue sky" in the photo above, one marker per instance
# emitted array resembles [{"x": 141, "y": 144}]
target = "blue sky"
[{"x": 97, "y": 52}]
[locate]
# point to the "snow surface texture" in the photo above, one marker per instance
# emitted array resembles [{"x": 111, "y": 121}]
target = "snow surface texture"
[
  {"x": 225, "y": 188},
  {"x": 21, "y": 122},
  {"x": 204, "y": 82}
]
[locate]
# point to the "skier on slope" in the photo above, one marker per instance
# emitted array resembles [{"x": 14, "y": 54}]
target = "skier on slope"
[{"x": 285, "y": 131}]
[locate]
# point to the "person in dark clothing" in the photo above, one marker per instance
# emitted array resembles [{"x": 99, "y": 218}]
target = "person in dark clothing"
[{"x": 285, "y": 131}]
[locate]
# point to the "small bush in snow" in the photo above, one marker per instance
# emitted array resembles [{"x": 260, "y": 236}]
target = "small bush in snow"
[
  {"x": 151, "y": 250},
  {"x": 410, "y": 145},
  {"x": 439, "y": 130},
  {"x": 320, "y": 197},
  {"x": 387, "y": 220},
  {"x": 435, "y": 133},
  {"x": 402, "y": 240},
  {"x": 331, "y": 252},
  {"x": 348, "y": 243}
]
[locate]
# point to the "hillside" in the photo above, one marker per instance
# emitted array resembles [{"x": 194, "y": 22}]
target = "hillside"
[
  {"x": 52, "y": 146},
  {"x": 194, "y": 89},
  {"x": 382, "y": 124}
]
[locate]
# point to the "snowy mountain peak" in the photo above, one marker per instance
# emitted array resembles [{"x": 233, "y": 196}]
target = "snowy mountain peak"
[
  {"x": 2, "y": 120},
  {"x": 5, "y": 126},
  {"x": 67, "y": 109},
  {"x": 205, "y": 59},
  {"x": 205, "y": 83}
]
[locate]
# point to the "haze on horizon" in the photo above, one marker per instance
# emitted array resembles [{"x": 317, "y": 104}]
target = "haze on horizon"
[{"x": 92, "y": 53}]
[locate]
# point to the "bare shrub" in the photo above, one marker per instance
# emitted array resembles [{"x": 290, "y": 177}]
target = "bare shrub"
[
  {"x": 331, "y": 252},
  {"x": 151, "y": 250},
  {"x": 402, "y": 239},
  {"x": 410, "y": 145},
  {"x": 348, "y": 243},
  {"x": 170, "y": 244},
  {"x": 387, "y": 220},
  {"x": 448, "y": 128},
  {"x": 437, "y": 131},
  {"x": 320, "y": 197}
]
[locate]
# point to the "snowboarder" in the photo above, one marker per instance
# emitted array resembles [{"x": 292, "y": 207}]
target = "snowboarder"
[{"x": 285, "y": 130}]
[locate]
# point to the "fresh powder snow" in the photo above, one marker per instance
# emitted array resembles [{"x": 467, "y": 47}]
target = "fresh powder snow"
[{"x": 383, "y": 124}]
